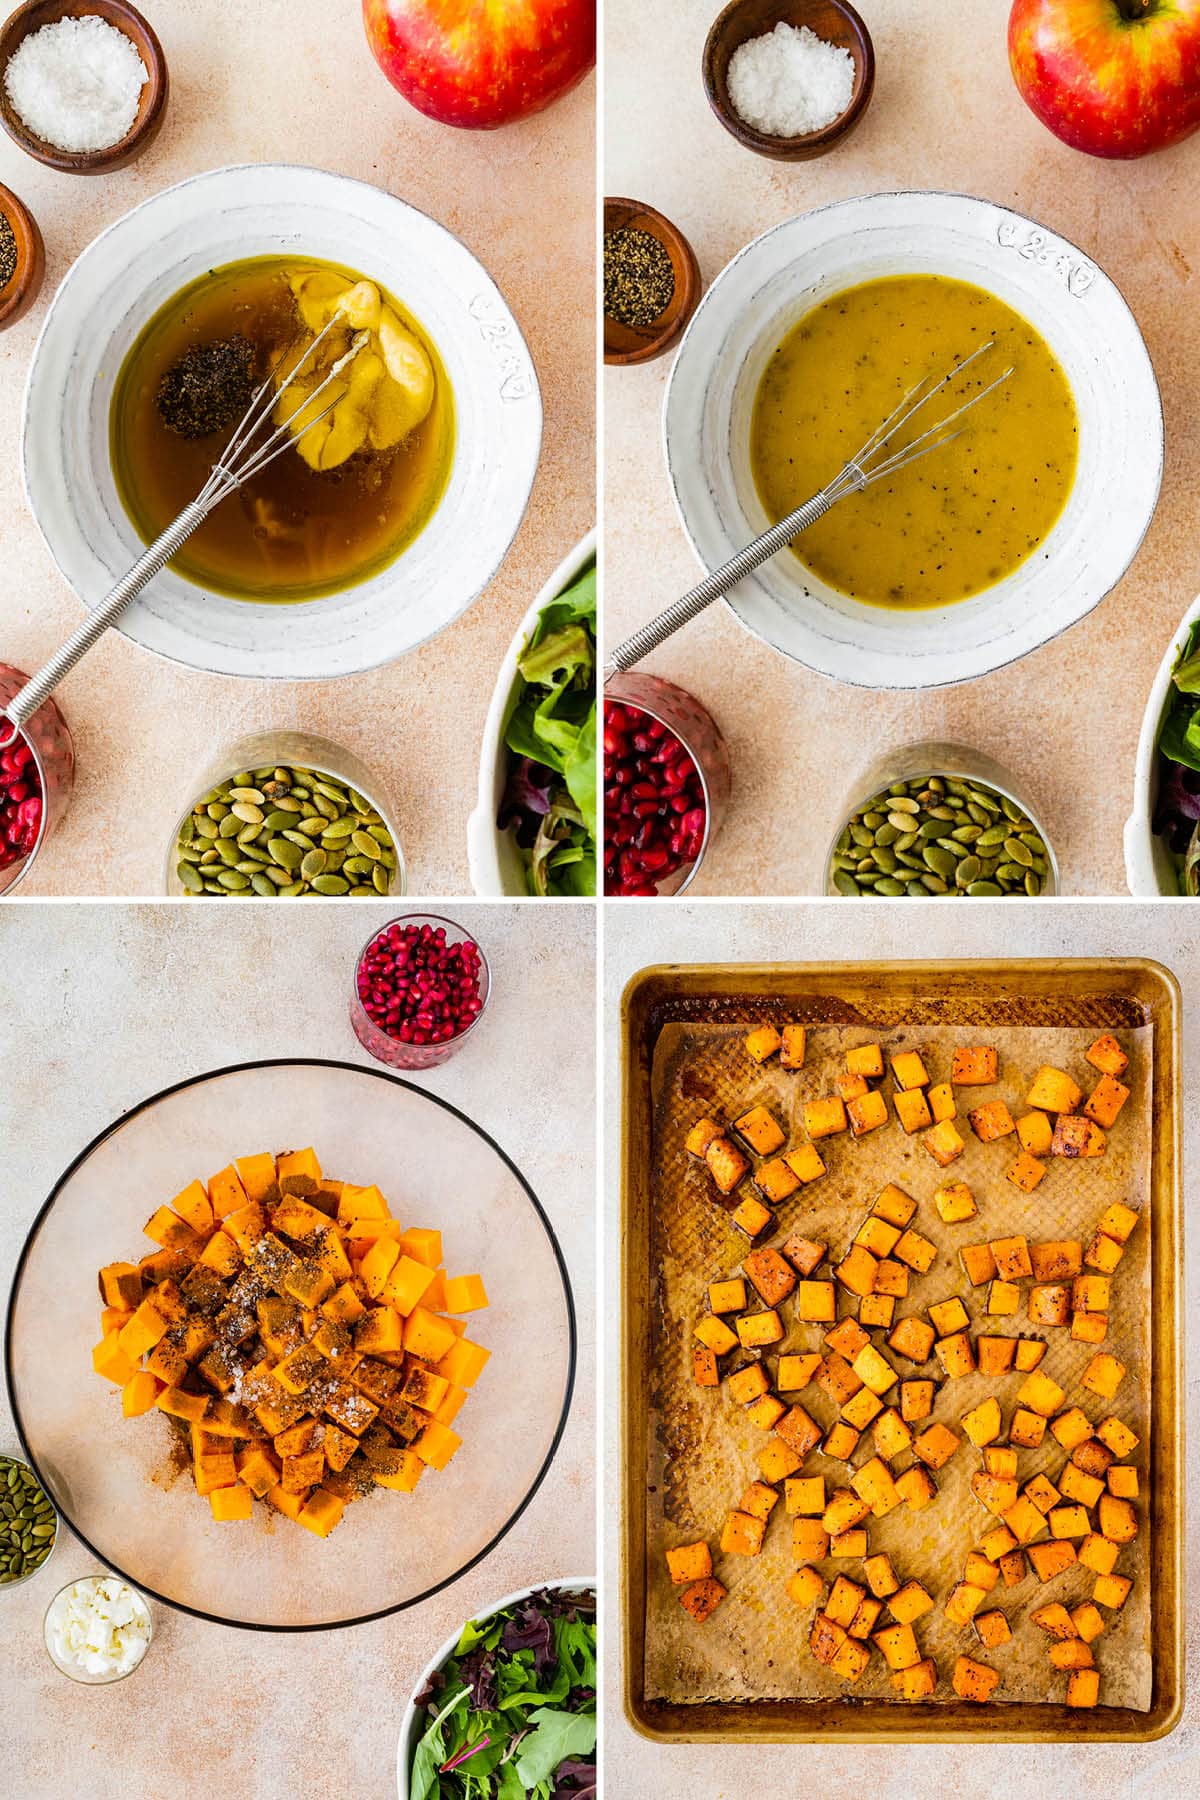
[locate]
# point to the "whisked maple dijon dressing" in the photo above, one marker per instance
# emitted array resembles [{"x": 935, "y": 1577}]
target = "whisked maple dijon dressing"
[
  {"x": 954, "y": 522},
  {"x": 292, "y": 532}
]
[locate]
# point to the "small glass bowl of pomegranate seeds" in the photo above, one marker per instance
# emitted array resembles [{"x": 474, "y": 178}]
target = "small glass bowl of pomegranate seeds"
[
  {"x": 421, "y": 986},
  {"x": 666, "y": 785},
  {"x": 37, "y": 773}
]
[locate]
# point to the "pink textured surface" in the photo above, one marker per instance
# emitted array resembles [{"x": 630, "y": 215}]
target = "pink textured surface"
[
  {"x": 945, "y": 115},
  {"x": 266, "y": 1716},
  {"x": 294, "y": 81}
]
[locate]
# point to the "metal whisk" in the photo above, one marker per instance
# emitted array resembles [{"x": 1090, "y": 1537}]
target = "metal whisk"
[
  {"x": 244, "y": 455},
  {"x": 874, "y": 462}
]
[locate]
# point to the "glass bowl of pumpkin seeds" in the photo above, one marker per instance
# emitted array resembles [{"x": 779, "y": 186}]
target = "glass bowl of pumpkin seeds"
[
  {"x": 939, "y": 821},
  {"x": 28, "y": 1522},
  {"x": 285, "y": 815}
]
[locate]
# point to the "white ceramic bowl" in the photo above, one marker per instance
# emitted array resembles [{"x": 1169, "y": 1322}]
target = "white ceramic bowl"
[
  {"x": 1149, "y": 870},
  {"x": 411, "y": 1724},
  {"x": 132, "y": 269},
  {"x": 495, "y": 861},
  {"x": 779, "y": 277}
]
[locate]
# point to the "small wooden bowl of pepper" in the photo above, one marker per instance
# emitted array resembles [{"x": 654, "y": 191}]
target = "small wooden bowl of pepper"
[
  {"x": 651, "y": 282},
  {"x": 22, "y": 258}
]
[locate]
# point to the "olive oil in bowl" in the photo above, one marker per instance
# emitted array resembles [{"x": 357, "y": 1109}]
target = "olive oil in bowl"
[{"x": 293, "y": 532}]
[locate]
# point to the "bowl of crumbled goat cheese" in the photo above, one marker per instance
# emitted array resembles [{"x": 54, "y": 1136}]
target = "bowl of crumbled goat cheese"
[
  {"x": 97, "y": 1629},
  {"x": 83, "y": 83},
  {"x": 789, "y": 80}
]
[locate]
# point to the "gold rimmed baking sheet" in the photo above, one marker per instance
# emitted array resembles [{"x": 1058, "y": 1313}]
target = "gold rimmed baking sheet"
[{"x": 691, "y": 1454}]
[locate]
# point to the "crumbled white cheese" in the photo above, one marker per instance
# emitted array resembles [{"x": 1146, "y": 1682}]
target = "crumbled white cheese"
[
  {"x": 100, "y": 1625},
  {"x": 790, "y": 81},
  {"x": 76, "y": 83}
]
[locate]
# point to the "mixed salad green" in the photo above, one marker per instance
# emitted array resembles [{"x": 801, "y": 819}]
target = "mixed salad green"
[
  {"x": 512, "y": 1713},
  {"x": 1177, "y": 808},
  {"x": 550, "y": 797}
]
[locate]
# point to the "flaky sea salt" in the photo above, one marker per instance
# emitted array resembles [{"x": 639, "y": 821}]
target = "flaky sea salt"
[
  {"x": 76, "y": 83},
  {"x": 790, "y": 81}
]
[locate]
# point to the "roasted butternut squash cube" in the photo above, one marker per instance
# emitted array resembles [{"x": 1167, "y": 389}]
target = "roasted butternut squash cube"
[
  {"x": 982, "y": 1424},
  {"x": 1041, "y": 1394},
  {"x": 1091, "y": 1293},
  {"x": 995, "y": 1354},
  {"x": 1058, "y": 1260},
  {"x": 874, "y": 1483},
  {"x": 857, "y": 1270},
  {"x": 955, "y": 1203},
  {"x": 805, "y": 1163},
  {"x": 1049, "y": 1304},
  {"x": 935, "y": 1445},
  {"x": 912, "y": 1109},
  {"x": 1053, "y": 1091},
  {"x": 847, "y": 1338},
  {"x": 898, "y": 1646},
  {"x": 771, "y": 1275},
  {"x": 810, "y": 1541},
  {"x": 1105, "y": 1101},
  {"x": 715, "y": 1335},
  {"x": 865, "y": 1618},
  {"x": 776, "y": 1180},
  {"x": 703, "y": 1133},
  {"x": 955, "y": 1355},
  {"x": 973, "y": 1680},
  {"x": 1118, "y": 1436},
  {"x": 942, "y": 1103},
  {"x": 1030, "y": 1352},
  {"x": 894, "y": 1205},
  {"x": 1068, "y": 1521},
  {"x": 944, "y": 1143},
  {"x": 756, "y": 1330},
  {"x": 763, "y": 1042},
  {"x": 867, "y": 1112},
  {"x": 916, "y": 1683},
  {"x": 852, "y": 1087},
  {"x": 765, "y": 1412},
  {"x": 1042, "y": 1491},
  {"x": 826, "y": 1639},
  {"x": 910, "y": 1603},
  {"x": 1054, "y": 1620},
  {"x": 881, "y": 1577},
  {"x": 845, "y": 1598},
  {"x": 916, "y": 1251},
  {"x": 804, "y": 1496},
  {"x": 1103, "y": 1375},
  {"x": 916, "y": 1401},
  {"x": 916, "y": 1488},
  {"x": 1111, "y": 1591},
  {"x": 908, "y": 1070},
  {"x": 1089, "y": 1328},
  {"x": 1117, "y": 1519},
  {"x": 1013, "y": 1568},
  {"x": 1075, "y": 1136},
  {"x": 742, "y": 1534},
  {"x": 700, "y": 1599},
  {"x": 816, "y": 1302},
  {"x": 979, "y": 1265},
  {"x": 1092, "y": 1457},
  {"x": 891, "y": 1278},
  {"x": 977, "y": 1066},
  {"x": 1051, "y": 1559},
  {"x": 751, "y": 1216},
  {"x": 1107, "y": 1055},
  {"x": 851, "y": 1660},
  {"x": 748, "y": 1384},
  {"x": 805, "y": 1587},
  {"x": 866, "y": 1059},
  {"x": 1026, "y": 1428},
  {"x": 877, "y": 1310},
  {"x": 1035, "y": 1133},
  {"x": 791, "y": 1054},
  {"x": 727, "y": 1296},
  {"x": 877, "y": 1236},
  {"x": 760, "y": 1130},
  {"x": 844, "y": 1511},
  {"x": 1012, "y": 1258},
  {"x": 1087, "y": 1621},
  {"x": 1026, "y": 1172},
  {"x": 1083, "y": 1687},
  {"x": 1076, "y": 1484},
  {"x": 963, "y": 1602},
  {"x": 825, "y": 1118},
  {"x": 726, "y": 1163},
  {"x": 948, "y": 1316},
  {"x": 874, "y": 1370},
  {"x": 1024, "y": 1521},
  {"x": 992, "y": 1121},
  {"x": 997, "y": 1543},
  {"x": 776, "y": 1461},
  {"x": 798, "y": 1431},
  {"x": 997, "y": 1492},
  {"x": 1118, "y": 1222},
  {"x": 1103, "y": 1253},
  {"x": 1000, "y": 1459}
]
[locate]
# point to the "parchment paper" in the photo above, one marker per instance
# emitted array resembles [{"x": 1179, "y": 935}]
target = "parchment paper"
[{"x": 702, "y": 1455}]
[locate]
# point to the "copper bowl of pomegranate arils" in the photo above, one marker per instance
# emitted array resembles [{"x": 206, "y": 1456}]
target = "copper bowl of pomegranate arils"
[
  {"x": 666, "y": 786},
  {"x": 37, "y": 773},
  {"x": 421, "y": 986}
]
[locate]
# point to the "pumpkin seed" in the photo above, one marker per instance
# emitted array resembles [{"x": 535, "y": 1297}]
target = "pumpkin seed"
[
  {"x": 1018, "y": 852},
  {"x": 278, "y": 832},
  {"x": 286, "y": 852},
  {"x": 936, "y": 835},
  {"x": 331, "y": 884},
  {"x": 313, "y": 864}
]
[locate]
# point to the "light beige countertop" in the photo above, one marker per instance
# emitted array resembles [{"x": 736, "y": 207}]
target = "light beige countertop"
[
  {"x": 641, "y": 934},
  {"x": 112, "y": 1004},
  {"x": 295, "y": 81},
  {"x": 945, "y": 115}
]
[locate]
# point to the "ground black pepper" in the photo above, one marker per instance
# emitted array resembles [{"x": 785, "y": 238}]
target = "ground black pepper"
[
  {"x": 639, "y": 281},
  {"x": 209, "y": 388},
  {"x": 8, "y": 251}
]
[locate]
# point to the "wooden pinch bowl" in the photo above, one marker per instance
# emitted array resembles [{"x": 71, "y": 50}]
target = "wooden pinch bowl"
[
  {"x": 625, "y": 345},
  {"x": 833, "y": 20},
  {"x": 19, "y": 293},
  {"x": 151, "y": 106}
]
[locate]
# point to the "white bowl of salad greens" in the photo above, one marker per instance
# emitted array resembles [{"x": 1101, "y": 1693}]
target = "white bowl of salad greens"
[
  {"x": 534, "y": 827},
  {"x": 508, "y": 1705},
  {"x": 1162, "y": 834}
]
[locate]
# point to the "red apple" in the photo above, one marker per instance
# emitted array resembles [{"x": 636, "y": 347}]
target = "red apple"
[
  {"x": 1112, "y": 77},
  {"x": 482, "y": 63}
]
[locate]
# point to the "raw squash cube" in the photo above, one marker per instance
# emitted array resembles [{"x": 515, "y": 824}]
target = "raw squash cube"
[
  {"x": 955, "y": 1203},
  {"x": 742, "y": 1535},
  {"x": 992, "y": 1121},
  {"x": 816, "y": 1302},
  {"x": 771, "y": 1274},
  {"x": 916, "y": 1401},
  {"x": 751, "y": 1216},
  {"x": 944, "y": 1143},
  {"x": 143, "y": 1330},
  {"x": 979, "y": 1265},
  {"x": 856, "y": 1271},
  {"x": 221, "y": 1253},
  {"x": 975, "y": 1067},
  {"x": 1105, "y": 1101},
  {"x": 866, "y": 1059},
  {"x": 894, "y": 1205},
  {"x": 1103, "y": 1375},
  {"x": 226, "y": 1193},
  {"x": 182, "y": 1405},
  {"x": 1053, "y": 1091},
  {"x": 912, "y": 1109},
  {"x": 297, "y": 1371},
  {"x": 339, "y": 1446},
  {"x": 256, "y": 1466},
  {"x": 343, "y": 1306},
  {"x": 726, "y": 1163},
  {"x": 377, "y": 1265},
  {"x": 701, "y": 1599},
  {"x": 804, "y": 1496},
  {"x": 1026, "y": 1172},
  {"x": 436, "y": 1444},
  {"x": 727, "y": 1296},
  {"x": 1107, "y": 1055},
  {"x": 302, "y": 1472},
  {"x": 909, "y": 1603},
  {"x": 424, "y": 1389},
  {"x": 1035, "y": 1132},
  {"x": 825, "y": 1118},
  {"x": 805, "y": 1163},
  {"x": 168, "y": 1229},
  {"x": 229, "y": 1504},
  {"x": 168, "y": 1362},
  {"x": 139, "y": 1394},
  {"x": 355, "y": 1203},
  {"x": 755, "y": 1330},
  {"x": 194, "y": 1208},
  {"x": 791, "y": 1055},
  {"x": 760, "y": 1131},
  {"x": 121, "y": 1286},
  {"x": 908, "y": 1070},
  {"x": 776, "y": 1180},
  {"x": 320, "y": 1512},
  {"x": 805, "y": 1587},
  {"x": 916, "y": 1251},
  {"x": 941, "y": 1102},
  {"x": 763, "y": 1042},
  {"x": 298, "y": 1172},
  {"x": 867, "y": 1112},
  {"x": 429, "y": 1337}
]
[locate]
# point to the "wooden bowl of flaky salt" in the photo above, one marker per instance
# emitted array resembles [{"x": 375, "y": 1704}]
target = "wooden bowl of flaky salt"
[
  {"x": 789, "y": 80},
  {"x": 83, "y": 83}
]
